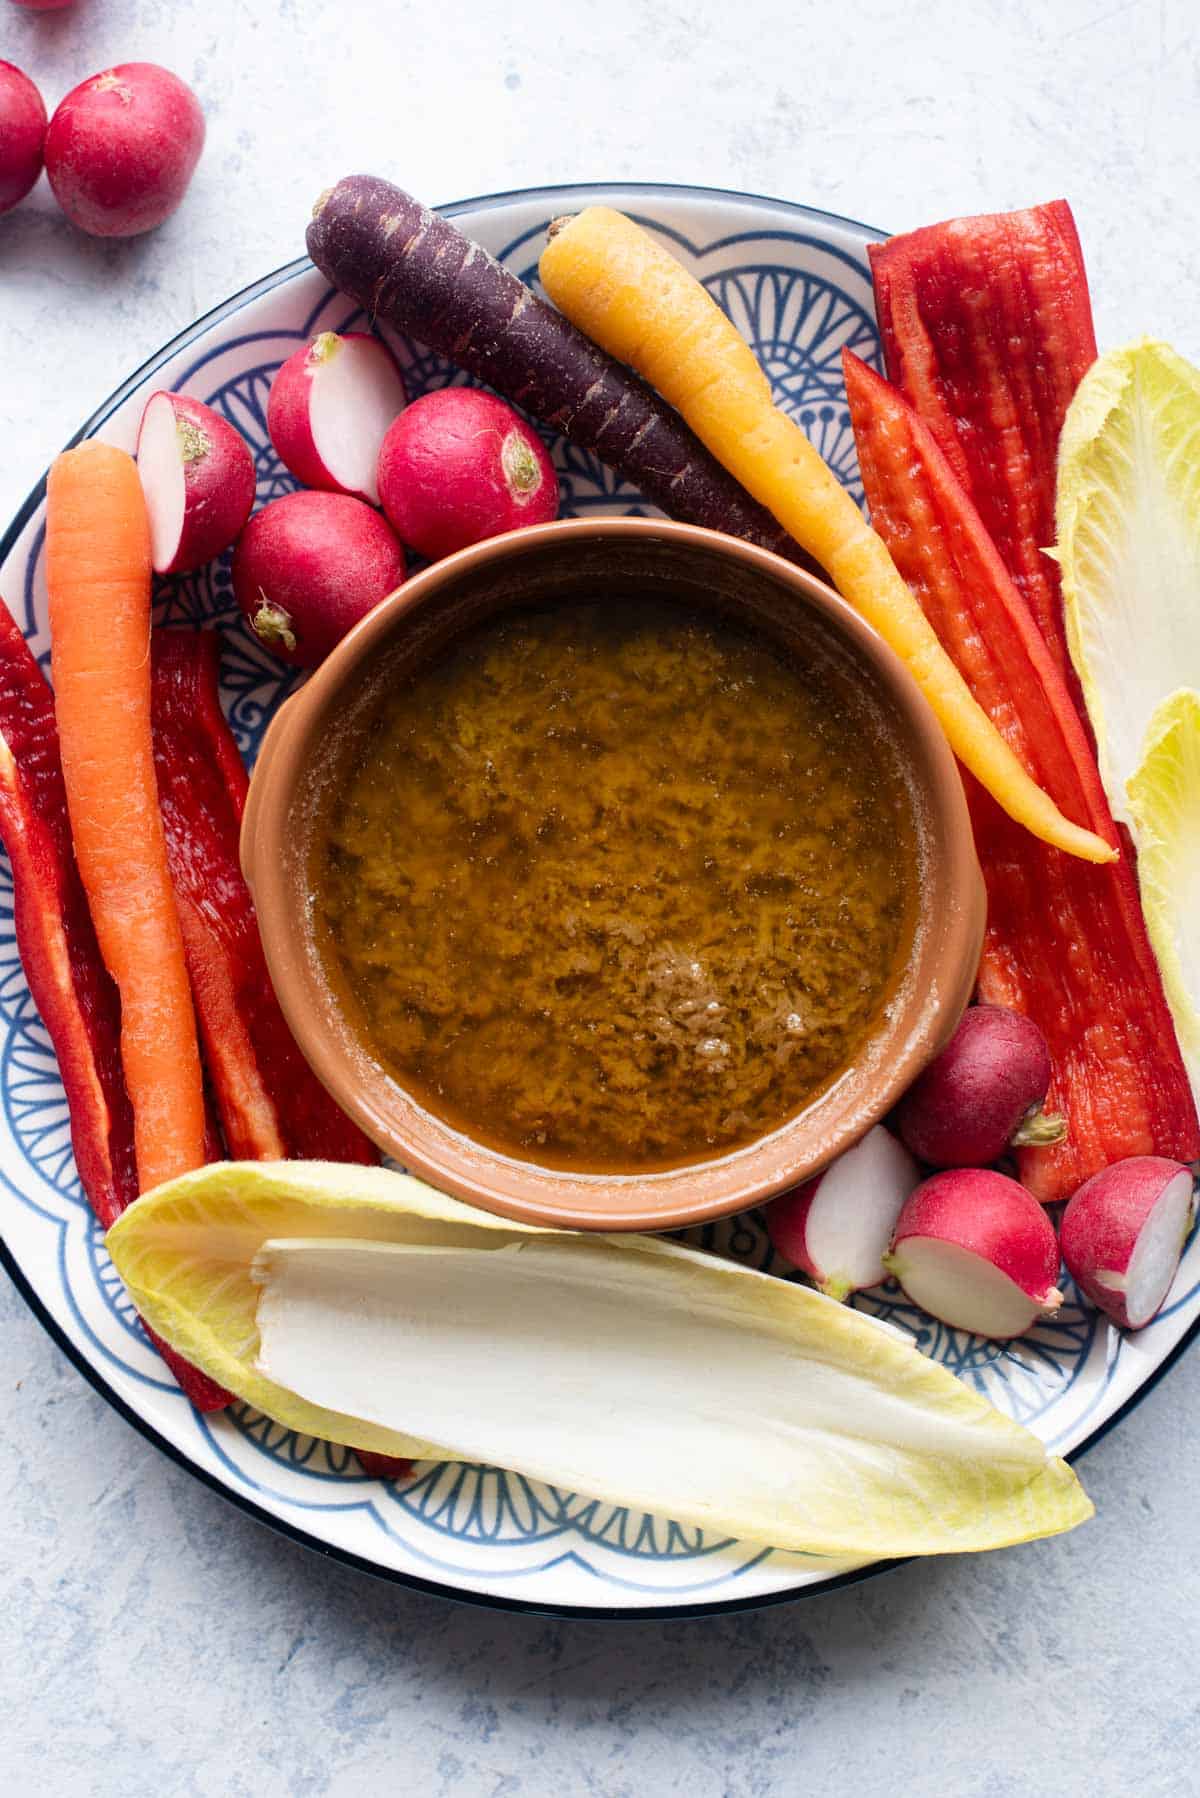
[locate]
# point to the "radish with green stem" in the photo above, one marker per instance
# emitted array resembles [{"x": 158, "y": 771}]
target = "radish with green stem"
[
  {"x": 976, "y": 1250},
  {"x": 308, "y": 567},
  {"x": 983, "y": 1094},
  {"x": 458, "y": 466},
  {"x": 416, "y": 272},
  {"x": 329, "y": 410},
  {"x": 836, "y": 1228},
  {"x": 1123, "y": 1234}
]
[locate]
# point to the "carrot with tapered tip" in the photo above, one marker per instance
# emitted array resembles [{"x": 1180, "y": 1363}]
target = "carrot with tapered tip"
[
  {"x": 416, "y": 271},
  {"x": 98, "y": 575},
  {"x": 634, "y": 298}
]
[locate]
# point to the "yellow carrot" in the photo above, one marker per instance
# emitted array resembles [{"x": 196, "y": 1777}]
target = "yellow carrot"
[
  {"x": 630, "y": 295},
  {"x": 98, "y": 574}
]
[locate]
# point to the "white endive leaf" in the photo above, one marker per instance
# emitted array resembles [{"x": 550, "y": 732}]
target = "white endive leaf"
[
  {"x": 626, "y": 1368},
  {"x": 1164, "y": 801},
  {"x": 1128, "y": 520}
]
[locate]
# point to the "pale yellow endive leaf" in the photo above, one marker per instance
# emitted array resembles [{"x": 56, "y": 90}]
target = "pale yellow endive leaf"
[{"x": 357, "y": 1304}]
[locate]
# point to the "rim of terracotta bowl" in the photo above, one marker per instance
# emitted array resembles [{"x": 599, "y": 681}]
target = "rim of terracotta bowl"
[{"x": 922, "y": 1012}]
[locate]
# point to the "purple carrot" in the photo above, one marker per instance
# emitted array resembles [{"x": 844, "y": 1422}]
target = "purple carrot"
[{"x": 414, "y": 270}]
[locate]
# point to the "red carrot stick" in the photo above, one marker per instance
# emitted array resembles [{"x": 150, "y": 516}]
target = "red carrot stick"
[
  {"x": 270, "y": 1102},
  {"x": 383, "y": 1467},
  {"x": 1066, "y": 942},
  {"x": 70, "y": 985},
  {"x": 68, "y": 980}
]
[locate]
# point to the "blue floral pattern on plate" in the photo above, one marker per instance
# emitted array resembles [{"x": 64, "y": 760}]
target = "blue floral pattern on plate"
[{"x": 797, "y": 285}]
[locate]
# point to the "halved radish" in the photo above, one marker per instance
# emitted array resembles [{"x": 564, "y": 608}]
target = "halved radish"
[
  {"x": 198, "y": 480},
  {"x": 1123, "y": 1234},
  {"x": 330, "y": 407},
  {"x": 976, "y": 1250},
  {"x": 837, "y": 1227}
]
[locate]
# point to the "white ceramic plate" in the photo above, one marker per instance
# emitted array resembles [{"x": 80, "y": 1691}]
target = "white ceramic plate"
[{"x": 796, "y": 283}]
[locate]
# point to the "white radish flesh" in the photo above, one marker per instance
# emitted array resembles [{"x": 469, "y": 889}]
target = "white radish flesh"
[
  {"x": 160, "y": 466},
  {"x": 1123, "y": 1235},
  {"x": 964, "y": 1290},
  {"x": 198, "y": 480},
  {"x": 837, "y": 1227},
  {"x": 976, "y": 1250},
  {"x": 330, "y": 408}
]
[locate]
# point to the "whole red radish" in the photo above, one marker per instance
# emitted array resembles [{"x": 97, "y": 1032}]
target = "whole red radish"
[
  {"x": 330, "y": 407},
  {"x": 976, "y": 1250},
  {"x": 983, "y": 1094},
  {"x": 1123, "y": 1234},
  {"x": 198, "y": 479},
  {"x": 836, "y": 1228},
  {"x": 121, "y": 149},
  {"x": 310, "y": 565},
  {"x": 22, "y": 135},
  {"x": 458, "y": 466}
]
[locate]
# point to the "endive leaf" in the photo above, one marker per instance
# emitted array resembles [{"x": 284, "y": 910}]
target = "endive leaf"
[
  {"x": 1164, "y": 803},
  {"x": 627, "y": 1368},
  {"x": 185, "y": 1253},
  {"x": 1128, "y": 519}
]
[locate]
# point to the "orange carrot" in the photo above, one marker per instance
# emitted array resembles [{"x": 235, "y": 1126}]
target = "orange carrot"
[{"x": 98, "y": 572}]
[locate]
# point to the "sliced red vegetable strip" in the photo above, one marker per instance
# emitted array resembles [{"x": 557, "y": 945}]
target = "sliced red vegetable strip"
[
  {"x": 987, "y": 330},
  {"x": 270, "y": 1102},
  {"x": 1066, "y": 943},
  {"x": 204, "y": 1393},
  {"x": 71, "y": 987},
  {"x": 383, "y": 1467}
]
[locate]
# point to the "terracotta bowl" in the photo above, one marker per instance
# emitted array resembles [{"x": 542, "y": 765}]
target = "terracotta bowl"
[{"x": 302, "y": 754}]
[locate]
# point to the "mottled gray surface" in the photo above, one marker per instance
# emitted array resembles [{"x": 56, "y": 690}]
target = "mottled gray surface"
[{"x": 152, "y": 1639}]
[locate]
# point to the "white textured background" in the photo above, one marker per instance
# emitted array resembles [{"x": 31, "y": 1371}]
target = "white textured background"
[{"x": 153, "y": 1640}]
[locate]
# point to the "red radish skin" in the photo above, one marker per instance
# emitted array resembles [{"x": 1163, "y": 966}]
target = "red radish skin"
[
  {"x": 836, "y": 1228},
  {"x": 122, "y": 147},
  {"x": 1123, "y": 1234},
  {"x": 197, "y": 476},
  {"x": 330, "y": 408},
  {"x": 976, "y": 1250},
  {"x": 458, "y": 466},
  {"x": 983, "y": 1094},
  {"x": 43, "y": 5},
  {"x": 22, "y": 135},
  {"x": 308, "y": 567}
]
